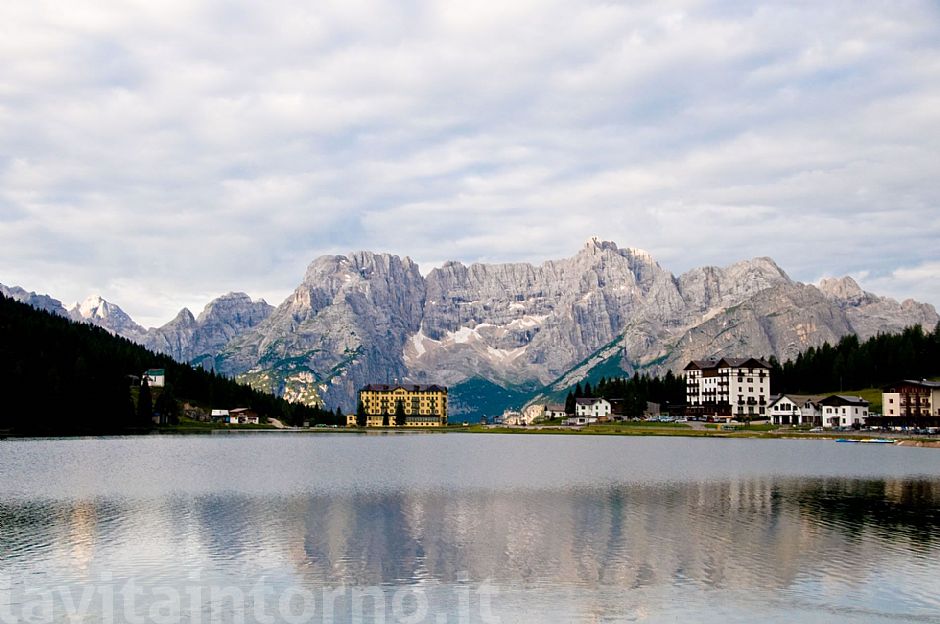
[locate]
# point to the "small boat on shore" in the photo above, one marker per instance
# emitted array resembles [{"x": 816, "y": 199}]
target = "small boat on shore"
[{"x": 868, "y": 440}]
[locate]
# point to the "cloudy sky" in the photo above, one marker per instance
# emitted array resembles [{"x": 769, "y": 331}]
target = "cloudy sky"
[{"x": 163, "y": 153}]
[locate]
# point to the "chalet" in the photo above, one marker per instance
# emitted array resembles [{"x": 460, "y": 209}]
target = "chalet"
[
  {"x": 844, "y": 411},
  {"x": 795, "y": 409},
  {"x": 156, "y": 377},
  {"x": 243, "y": 416},
  {"x": 588, "y": 407},
  {"x": 555, "y": 410}
]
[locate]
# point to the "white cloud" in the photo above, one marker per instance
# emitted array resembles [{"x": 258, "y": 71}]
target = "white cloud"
[{"x": 162, "y": 153}]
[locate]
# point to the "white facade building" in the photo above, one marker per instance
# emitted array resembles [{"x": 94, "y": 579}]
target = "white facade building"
[
  {"x": 843, "y": 411},
  {"x": 792, "y": 409},
  {"x": 728, "y": 388},
  {"x": 592, "y": 408},
  {"x": 156, "y": 377}
]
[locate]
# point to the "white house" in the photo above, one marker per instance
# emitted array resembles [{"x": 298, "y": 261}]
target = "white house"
[
  {"x": 844, "y": 411},
  {"x": 794, "y": 409},
  {"x": 219, "y": 415},
  {"x": 156, "y": 377},
  {"x": 588, "y": 407},
  {"x": 555, "y": 410},
  {"x": 242, "y": 416}
]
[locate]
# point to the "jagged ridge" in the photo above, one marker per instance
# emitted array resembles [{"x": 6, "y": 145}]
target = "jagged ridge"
[{"x": 368, "y": 317}]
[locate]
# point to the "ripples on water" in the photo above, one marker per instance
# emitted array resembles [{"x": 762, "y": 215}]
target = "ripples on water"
[{"x": 563, "y": 529}]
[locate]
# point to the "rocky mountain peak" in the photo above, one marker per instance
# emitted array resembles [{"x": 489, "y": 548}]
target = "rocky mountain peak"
[
  {"x": 842, "y": 288},
  {"x": 183, "y": 318},
  {"x": 40, "y": 302},
  {"x": 102, "y": 313},
  {"x": 235, "y": 307}
]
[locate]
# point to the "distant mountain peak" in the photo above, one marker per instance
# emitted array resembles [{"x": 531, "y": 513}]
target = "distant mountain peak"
[
  {"x": 844, "y": 288},
  {"x": 40, "y": 302},
  {"x": 97, "y": 311}
]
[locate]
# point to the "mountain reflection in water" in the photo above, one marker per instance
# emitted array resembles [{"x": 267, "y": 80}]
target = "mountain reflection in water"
[{"x": 735, "y": 549}]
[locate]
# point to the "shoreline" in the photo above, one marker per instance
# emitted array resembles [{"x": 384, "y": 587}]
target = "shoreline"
[{"x": 622, "y": 431}]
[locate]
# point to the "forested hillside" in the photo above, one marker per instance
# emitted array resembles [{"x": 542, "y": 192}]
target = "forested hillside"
[
  {"x": 62, "y": 377},
  {"x": 880, "y": 360}
]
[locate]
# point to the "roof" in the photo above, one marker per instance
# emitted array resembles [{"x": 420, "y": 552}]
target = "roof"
[
  {"x": 405, "y": 387},
  {"x": 155, "y": 372},
  {"x": 555, "y": 407},
  {"x": 841, "y": 399},
  {"x": 727, "y": 362},
  {"x": 220, "y": 412},
  {"x": 923, "y": 383},
  {"x": 798, "y": 399},
  {"x": 589, "y": 400}
]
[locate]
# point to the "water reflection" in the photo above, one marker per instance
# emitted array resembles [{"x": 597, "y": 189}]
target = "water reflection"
[
  {"x": 566, "y": 529},
  {"x": 845, "y": 544}
]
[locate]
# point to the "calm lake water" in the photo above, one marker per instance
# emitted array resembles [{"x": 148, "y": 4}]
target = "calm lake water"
[{"x": 273, "y": 527}]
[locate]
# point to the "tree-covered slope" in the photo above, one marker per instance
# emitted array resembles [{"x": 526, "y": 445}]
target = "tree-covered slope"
[{"x": 61, "y": 377}]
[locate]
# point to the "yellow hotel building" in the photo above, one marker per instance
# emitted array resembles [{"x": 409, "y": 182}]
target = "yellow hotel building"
[{"x": 425, "y": 406}]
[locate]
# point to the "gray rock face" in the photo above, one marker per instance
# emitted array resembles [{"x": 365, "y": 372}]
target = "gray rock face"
[
  {"x": 370, "y": 318},
  {"x": 185, "y": 338},
  {"x": 365, "y": 318},
  {"x": 190, "y": 339},
  {"x": 40, "y": 302},
  {"x": 343, "y": 327},
  {"x": 870, "y": 314},
  {"x": 524, "y": 324}
]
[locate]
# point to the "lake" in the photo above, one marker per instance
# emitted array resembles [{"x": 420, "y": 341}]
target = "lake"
[{"x": 281, "y": 527}]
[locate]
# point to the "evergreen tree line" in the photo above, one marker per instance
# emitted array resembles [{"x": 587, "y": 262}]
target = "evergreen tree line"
[
  {"x": 854, "y": 365},
  {"x": 635, "y": 392},
  {"x": 61, "y": 377}
]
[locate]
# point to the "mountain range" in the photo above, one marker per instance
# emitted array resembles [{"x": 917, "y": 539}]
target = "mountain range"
[{"x": 501, "y": 334}]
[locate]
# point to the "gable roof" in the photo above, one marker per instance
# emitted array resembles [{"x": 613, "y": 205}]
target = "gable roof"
[
  {"x": 839, "y": 400},
  {"x": 590, "y": 400},
  {"x": 727, "y": 362},
  {"x": 798, "y": 399}
]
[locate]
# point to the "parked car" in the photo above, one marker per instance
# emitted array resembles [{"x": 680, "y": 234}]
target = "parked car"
[{"x": 816, "y": 430}]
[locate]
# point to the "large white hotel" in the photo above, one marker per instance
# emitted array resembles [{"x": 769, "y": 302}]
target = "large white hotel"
[{"x": 727, "y": 388}]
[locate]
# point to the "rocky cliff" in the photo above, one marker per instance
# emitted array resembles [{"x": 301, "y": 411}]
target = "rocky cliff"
[
  {"x": 200, "y": 339},
  {"x": 526, "y": 328},
  {"x": 40, "y": 302}
]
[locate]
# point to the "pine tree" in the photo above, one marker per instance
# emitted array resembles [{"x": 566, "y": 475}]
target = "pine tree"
[
  {"x": 385, "y": 418},
  {"x": 361, "y": 418},
  {"x": 570, "y": 403},
  {"x": 400, "y": 417},
  {"x": 144, "y": 404}
]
